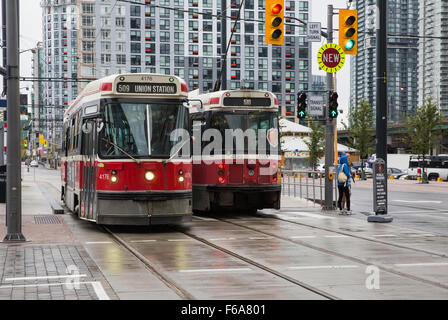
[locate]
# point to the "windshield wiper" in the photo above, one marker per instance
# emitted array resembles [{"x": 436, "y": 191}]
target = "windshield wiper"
[
  {"x": 108, "y": 141},
  {"x": 175, "y": 153}
]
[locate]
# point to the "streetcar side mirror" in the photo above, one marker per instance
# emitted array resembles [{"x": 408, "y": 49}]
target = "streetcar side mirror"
[
  {"x": 87, "y": 127},
  {"x": 100, "y": 125}
]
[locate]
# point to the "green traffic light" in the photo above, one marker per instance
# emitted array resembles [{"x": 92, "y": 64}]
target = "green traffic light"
[
  {"x": 301, "y": 114},
  {"x": 350, "y": 44},
  {"x": 334, "y": 113}
]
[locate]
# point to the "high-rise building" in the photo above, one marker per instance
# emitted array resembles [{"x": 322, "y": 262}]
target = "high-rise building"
[
  {"x": 433, "y": 56},
  {"x": 402, "y": 57},
  {"x": 39, "y": 124},
  {"x": 87, "y": 39}
]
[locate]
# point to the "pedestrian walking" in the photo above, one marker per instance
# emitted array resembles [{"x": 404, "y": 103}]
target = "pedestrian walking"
[{"x": 344, "y": 178}]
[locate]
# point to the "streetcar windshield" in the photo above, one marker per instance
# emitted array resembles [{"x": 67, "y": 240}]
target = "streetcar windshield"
[
  {"x": 256, "y": 121},
  {"x": 140, "y": 129}
]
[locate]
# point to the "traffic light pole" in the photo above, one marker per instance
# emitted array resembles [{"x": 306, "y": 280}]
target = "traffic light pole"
[
  {"x": 329, "y": 127},
  {"x": 13, "y": 184},
  {"x": 381, "y": 103}
]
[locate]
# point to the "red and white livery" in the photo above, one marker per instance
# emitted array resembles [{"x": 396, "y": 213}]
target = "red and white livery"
[
  {"x": 118, "y": 166},
  {"x": 242, "y": 175}
]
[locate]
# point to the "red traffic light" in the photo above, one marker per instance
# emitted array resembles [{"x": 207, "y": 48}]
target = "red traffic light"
[{"x": 276, "y": 8}]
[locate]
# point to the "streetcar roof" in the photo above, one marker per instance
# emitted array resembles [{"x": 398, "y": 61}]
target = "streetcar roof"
[
  {"x": 130, "y": 85},
  {"x": 236, "y": 99}
]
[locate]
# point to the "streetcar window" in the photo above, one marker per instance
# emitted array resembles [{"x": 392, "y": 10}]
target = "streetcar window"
[
  {"x": 254, "y": 121},
  {"x": 130, "y": 129}
]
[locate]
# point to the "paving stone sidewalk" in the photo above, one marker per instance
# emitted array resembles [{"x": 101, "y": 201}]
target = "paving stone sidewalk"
[{"x": 50, "y": 272}]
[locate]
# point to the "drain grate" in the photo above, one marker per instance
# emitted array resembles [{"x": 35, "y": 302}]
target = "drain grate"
[{"x": 50, "y": 219}]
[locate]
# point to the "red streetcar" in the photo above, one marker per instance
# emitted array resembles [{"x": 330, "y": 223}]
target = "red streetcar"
[
  {"x": 119, "y": 166},
  {"x": 236, "y": 167}
]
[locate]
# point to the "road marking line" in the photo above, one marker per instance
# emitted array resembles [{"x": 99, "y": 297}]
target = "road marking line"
[
  {"x": 418, "y": 201},
  {"x": 422, "y": 235},
  {"x": 259, "y": 238},
  {"x": 428, "y": 264},
  {"x": 99, "y": 290},
  {"x": 323, "y": 267},
  {"x": 99, "y": 242},
  {"x": 204, "y": 219},
  {"x": 216, "y": 270},
  {"x": 219, "y": 239},
  {"x": 384, "y": 235},
  {"x": 97, "y": 287},
  {"x": 302, "y": 237},
  {"x": 46, "y": 277},
  {"x": 337, "y": 236},
  {"x": 306, "y": 214},
  {"x": 137, "y": 241},
  {"x": 180, "y": 239}
]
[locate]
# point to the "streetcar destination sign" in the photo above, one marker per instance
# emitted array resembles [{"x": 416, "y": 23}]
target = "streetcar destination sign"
[
  {"x": 331, "y": 57},
  {"x": 145, "y": 88}
]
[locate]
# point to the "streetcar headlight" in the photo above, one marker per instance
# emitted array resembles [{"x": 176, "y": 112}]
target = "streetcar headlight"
[
  {"x": 181, "y": 179},
  {"x": 251, "y": 172},
  {"x": 149, "y": 175},
  {"x": 114, "y": 179}
]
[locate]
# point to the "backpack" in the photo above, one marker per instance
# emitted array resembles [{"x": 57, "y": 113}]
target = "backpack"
[{"x": 342, "y": 177}]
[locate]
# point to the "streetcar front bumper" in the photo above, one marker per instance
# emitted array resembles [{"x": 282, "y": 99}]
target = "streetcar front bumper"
[{"x": 144, "y": 208}]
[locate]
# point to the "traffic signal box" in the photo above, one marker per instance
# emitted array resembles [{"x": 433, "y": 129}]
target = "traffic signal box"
[
  {"x": 348, "y": 31},
  {"x": 274, "y": 22},
  {"x": 301, "y": 110},
  {"x": 333, "y": 105}
]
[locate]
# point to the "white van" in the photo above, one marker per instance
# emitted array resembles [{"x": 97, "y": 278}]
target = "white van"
[{"x": 434, "y": 166}]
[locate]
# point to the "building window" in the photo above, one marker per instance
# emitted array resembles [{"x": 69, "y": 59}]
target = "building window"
[
  {"x": 121, "y": 59},
  {"x": 136, "y": 60},
  {"x": 135, "y": 47},
  {"x": 135, "y": 11}
]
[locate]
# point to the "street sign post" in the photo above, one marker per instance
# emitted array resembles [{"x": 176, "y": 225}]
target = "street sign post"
[
  {"x": 316, "y": 106},
  {"x": 313, "y": 31},
  {"x": 331, "y": 57}
]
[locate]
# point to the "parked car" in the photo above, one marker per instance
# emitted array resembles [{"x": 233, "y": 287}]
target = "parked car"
[
  {"x": 396, "y": 173},
  {"x": 34, "y": 163}
]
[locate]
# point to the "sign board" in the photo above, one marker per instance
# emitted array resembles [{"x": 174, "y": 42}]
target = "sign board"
[
  {"x": 146, "y": 88},
  {"x": 313, "y": 32},
  {"x": 379, "y": 186},
  {"x": 316, "y": 106},
  {"x": 331, "y": 57}
]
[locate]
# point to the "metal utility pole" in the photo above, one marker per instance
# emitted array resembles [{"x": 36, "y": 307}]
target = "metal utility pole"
[
  {"x": 13, "y": 184},
  {"x": 381, "y": 104},
  {"x": 329, "y": 127},
  {"x": 223, "y": 44}
]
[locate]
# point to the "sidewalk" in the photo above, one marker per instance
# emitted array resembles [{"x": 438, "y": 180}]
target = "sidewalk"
[{"x": 52, "y": 264}]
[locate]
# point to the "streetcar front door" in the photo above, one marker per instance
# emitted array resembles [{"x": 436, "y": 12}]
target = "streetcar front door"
[{"x": 88, "y": 197}]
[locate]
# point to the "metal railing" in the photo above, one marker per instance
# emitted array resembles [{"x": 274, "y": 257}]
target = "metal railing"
[{"x": 306, "y": 184}]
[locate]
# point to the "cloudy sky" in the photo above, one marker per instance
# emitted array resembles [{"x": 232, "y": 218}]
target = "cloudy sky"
[{"x": 31, "y": 33}]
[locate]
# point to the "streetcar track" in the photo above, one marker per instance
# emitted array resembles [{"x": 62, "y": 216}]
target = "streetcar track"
[
  {"x": 260, "y": 266},
  {"x": 182, "y": 293},
  {"x": 442, "y": 255},
  {"x": 334, "y": 253}
]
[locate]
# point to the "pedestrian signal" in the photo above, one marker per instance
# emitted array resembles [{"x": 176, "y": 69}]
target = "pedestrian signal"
[
  {"x": 348, "y": 31},
  {"x": 274, "y": 22}
]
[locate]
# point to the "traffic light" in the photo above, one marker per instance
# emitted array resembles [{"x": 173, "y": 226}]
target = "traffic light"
[
  {"x": 348, "y": 31},
  {"x": 301, "y": 110},
  {"x": 274, "y": 22},
  {"x": 333, "y": 105}
]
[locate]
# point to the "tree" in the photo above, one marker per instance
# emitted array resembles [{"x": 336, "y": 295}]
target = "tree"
[
  {"x": 361, "y": 129},
  {"x": 423, "y": 130},
  {"x": 315, "y": 143}
]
